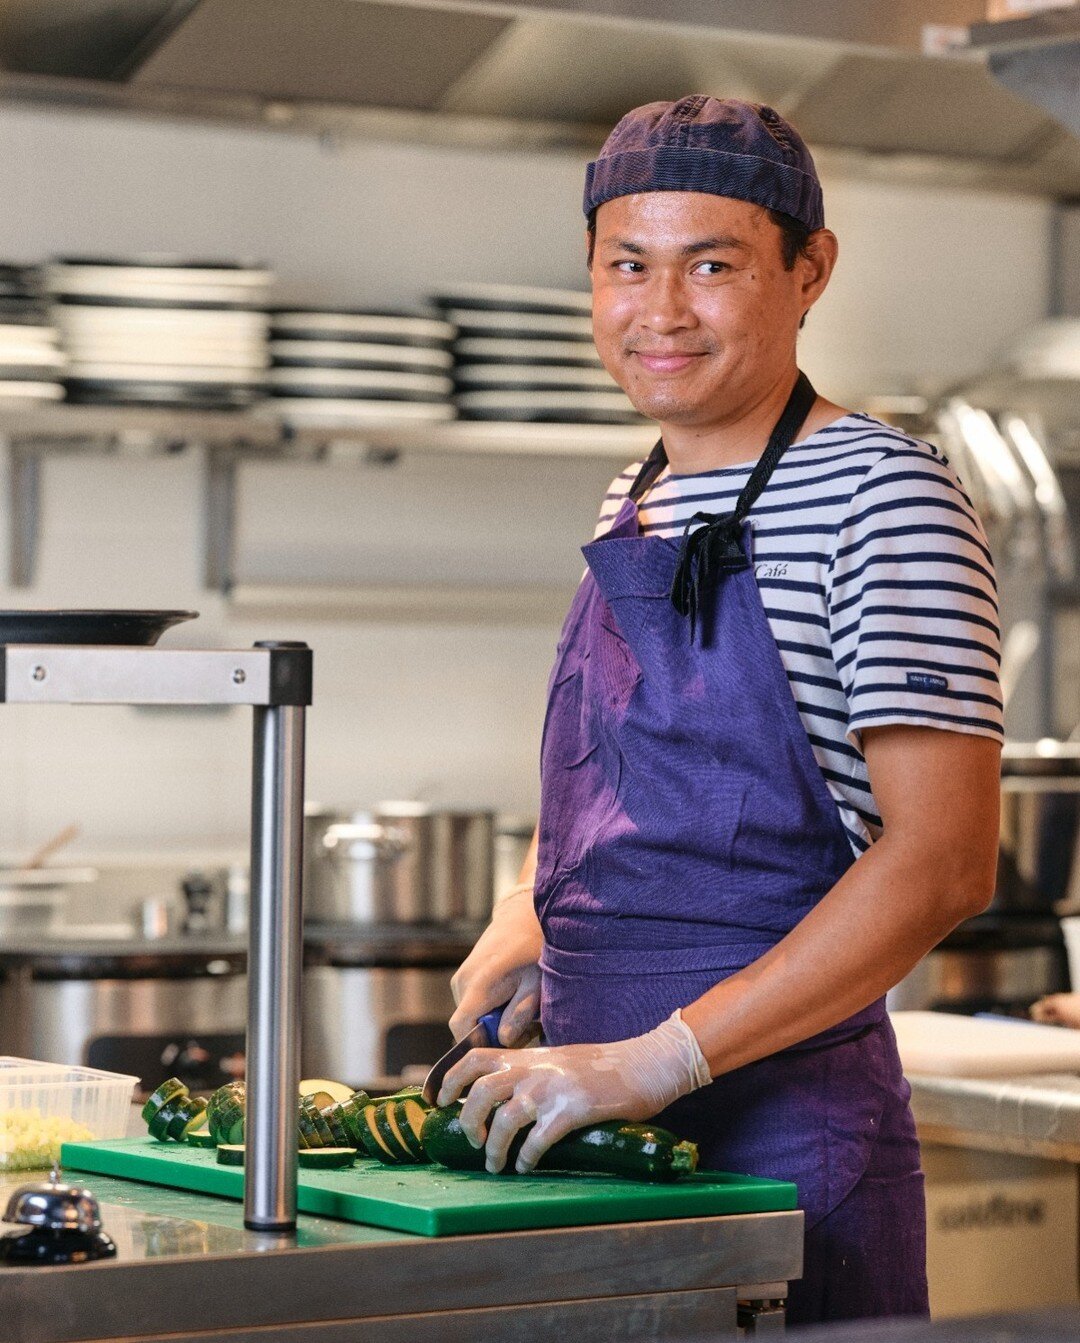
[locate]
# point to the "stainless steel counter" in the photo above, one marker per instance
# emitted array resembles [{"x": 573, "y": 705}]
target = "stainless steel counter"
[
  {"x": 1031, "y": 1116},
  {"x": 187, "y": 1268}
]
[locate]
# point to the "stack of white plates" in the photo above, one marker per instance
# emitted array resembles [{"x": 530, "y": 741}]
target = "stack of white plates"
[
  {"x": 31, "y": 363},
  {"x": 332, "y": 366},
  {"x": 526, "y": 353},
  {"x": 160, "y": 331}
]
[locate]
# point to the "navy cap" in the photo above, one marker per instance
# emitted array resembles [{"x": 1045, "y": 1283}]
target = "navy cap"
[{"x": 721, "y": 146}]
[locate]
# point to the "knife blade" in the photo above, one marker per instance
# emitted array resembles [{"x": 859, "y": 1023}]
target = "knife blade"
[{"x": 484, "y": 1035}]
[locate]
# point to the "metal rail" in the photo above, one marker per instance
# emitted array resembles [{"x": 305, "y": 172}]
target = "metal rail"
[{"x": 274, "y": 678}]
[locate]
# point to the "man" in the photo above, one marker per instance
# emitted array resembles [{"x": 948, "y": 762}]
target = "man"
[{"x": 769, "y": 774}]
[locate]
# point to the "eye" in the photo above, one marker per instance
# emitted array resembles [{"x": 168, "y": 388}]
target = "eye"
[
  {"x": 628, "y": 267},
  {"x": 711, "y": 267}
]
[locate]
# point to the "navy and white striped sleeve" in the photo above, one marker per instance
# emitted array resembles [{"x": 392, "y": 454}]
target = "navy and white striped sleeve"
[{"x": 913, "y": 601}]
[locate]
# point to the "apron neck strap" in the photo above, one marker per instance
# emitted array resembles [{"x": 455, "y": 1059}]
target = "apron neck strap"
[{"x": 716, "y": 546}]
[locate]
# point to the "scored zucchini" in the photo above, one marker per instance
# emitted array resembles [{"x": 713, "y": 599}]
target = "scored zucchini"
[
  {"x": 404, "y": 1131},
  {"x": 327, "y": 1158},
  {"x": 230, "y": 1154},
  {"x": 225, "y": 1112},
  {"x": 324, "y": 1137},
  {"x": 634, "y": 1151},
  {"x": 372, "y": 1139},
  {"x": 335, "y": 1122},
  {"x": 169, "y": 1089}
]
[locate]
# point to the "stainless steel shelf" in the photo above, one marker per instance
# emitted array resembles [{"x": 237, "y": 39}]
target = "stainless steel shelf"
[{"x": 231, "y": 438}]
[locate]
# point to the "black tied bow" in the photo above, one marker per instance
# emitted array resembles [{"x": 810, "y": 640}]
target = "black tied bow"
[{"x": 716, "y": 546}]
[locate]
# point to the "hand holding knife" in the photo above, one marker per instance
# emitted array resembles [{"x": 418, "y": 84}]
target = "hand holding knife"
[{"x": 484, "y": 1035}]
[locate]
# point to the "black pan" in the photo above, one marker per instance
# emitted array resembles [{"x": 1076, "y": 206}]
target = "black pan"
[{"x": 132, "y": 628}]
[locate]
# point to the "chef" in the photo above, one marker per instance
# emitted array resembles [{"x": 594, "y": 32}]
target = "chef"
[{"x": 769, "y": 765}]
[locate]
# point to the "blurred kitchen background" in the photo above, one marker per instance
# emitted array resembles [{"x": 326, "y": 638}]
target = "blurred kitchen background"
[{"x": 371, "y": 157}]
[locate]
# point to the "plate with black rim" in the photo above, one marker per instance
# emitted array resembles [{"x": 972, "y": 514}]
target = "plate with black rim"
[{"x": 117, "y": 628}]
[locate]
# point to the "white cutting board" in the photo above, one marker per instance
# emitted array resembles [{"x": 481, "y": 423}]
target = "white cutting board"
[{"x": 956, "y": 1046}]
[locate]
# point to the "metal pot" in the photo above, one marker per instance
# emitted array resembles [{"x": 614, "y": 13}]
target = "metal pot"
[
  {"x": 32, "y": 899},
  {"x": 401, "y": 862},
  {"x": 1040, "y": 827}
]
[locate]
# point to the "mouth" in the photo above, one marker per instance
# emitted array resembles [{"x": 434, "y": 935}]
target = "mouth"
[{"x": 674, "y": 362}]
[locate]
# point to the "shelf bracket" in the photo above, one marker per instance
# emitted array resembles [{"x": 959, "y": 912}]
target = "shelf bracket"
[
  {"x": 24, "y": 512},
  {"x": 219, "y": 518}
]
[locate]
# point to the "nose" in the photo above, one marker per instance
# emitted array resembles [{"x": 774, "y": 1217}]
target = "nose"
[{"x": 667, "y": 305}]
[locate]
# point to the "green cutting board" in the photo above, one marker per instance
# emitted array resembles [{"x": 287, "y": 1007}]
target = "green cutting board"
[{"x": 431, "y": 1201}]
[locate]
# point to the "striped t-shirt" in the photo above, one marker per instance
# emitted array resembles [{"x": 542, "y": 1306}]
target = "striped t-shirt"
[{"x": 877, "y": 582}]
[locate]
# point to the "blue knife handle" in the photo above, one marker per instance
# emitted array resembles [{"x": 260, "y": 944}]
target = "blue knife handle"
[{"x": 491, "y": 1021}]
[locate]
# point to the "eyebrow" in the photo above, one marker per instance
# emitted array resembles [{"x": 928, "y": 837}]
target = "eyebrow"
[{"x": 721, "y": 242}]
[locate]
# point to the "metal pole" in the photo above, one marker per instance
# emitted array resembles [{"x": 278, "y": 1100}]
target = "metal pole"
[{"x": 275, "y": 953}]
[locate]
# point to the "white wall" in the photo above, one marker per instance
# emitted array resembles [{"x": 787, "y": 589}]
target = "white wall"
[{"x": 931, "y": 280}]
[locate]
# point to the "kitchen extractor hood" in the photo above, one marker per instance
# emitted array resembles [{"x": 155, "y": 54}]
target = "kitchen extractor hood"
[{"x": 554, "y": 72}]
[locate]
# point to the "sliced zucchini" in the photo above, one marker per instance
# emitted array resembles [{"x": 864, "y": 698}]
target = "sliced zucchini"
[
  {"x": 336, "y": 1124},
  {"x": 388, "y": 1131},
  {"x": 327, "y": 1158},
  {"x": 199, "y": 1137},
  {"x": 231, "y": 1154},
  {"x": 168, "y": 1090},
  {"x": 309, "y": 1134},
  {"x": 410, "y": 1116},
  {"x": 373, "y": 1140},
  {"x": 169, "y": 1114},
  {"x": 324, "y": 1092},
  {"x": 189, "y": 1114},
  {"x": 403, "y": 1129},
  {"x": 224, "y": 1108},
  {"x": 322, "y": 1128},
  {"x": 352, "y": 1116}
]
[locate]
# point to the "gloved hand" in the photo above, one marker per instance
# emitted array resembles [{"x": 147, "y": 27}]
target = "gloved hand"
[
  {"x": 502, "y": 967},
  {"x": 564, "y": 1088},
  {"x": 1059, "y": 1009}
]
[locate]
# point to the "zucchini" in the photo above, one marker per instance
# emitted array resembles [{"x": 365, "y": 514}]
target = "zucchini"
[
  {"x": 161, "y": 1122},
  {"x": 324, "y": 1092},
  {"x": 411, "y": 1116},
  {"x": 199, "y": 1137},
  {"x": 373, "y": 1141},
  {"x": 308, "y": 1133},
  {"x": 407, "y": 1133},
  {"x": 225, "y": 1112},
  {"x": 352, "y": 1119},
  {"x": 169, "y": 1090},
  {"x": 324, "y": 1137},
  {"x": 387, "y": 1130},
  {"x": 634, "y": 1151},
  {"x": 327, "y": 1158},
  {"x": 230, "y": 1154},
  {"x": 336, "y": 1124},
  {"x": 189, "y": 1114}
]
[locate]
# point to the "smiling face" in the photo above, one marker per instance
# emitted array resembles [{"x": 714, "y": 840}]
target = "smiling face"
[{"x": 694, "y": 313}]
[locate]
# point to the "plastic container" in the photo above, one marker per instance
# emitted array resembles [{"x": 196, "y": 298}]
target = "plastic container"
[{"x": 43, "y": 1105}]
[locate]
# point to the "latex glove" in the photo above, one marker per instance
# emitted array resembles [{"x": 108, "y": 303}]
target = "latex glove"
[
  {"x": 1059, "y": 1009},
  {"x": 502, "y": 967},
  {"x": 561, "y": 1089}
]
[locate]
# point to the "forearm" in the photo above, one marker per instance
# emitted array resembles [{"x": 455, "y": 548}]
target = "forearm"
[{"x": 876, "y": 923}]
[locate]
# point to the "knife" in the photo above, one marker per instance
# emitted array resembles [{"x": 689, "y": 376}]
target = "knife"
[{"x": 484, "y": 1035}]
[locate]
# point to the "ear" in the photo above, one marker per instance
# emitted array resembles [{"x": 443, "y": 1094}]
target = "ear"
[{"x": 815, "y": 265}]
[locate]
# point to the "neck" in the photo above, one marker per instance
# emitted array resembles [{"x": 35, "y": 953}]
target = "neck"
[{"x": 742, "y": 434}]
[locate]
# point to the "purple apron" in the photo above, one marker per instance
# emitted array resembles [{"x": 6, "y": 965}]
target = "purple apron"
[{"x": 685, "y": 828}]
